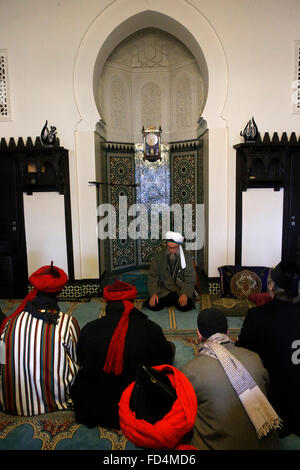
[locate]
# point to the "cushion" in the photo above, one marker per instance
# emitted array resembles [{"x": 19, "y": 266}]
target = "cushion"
[
  {"x": 260, "y": 299},
  {"x": 229, "y": 306},
  {"x": 239, "y": 282}
]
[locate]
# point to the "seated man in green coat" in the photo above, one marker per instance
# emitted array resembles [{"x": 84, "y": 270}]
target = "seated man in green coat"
[
  {"x": 231, "y": 385},
  {"x": 172, "y": 277}
]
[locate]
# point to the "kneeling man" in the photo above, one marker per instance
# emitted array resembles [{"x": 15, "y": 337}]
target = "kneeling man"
[{"x": 172, "y": 278}]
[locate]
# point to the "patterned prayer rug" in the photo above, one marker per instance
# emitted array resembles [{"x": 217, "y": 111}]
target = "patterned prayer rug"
[
  {"x": 59, "y": 430},
  {"x": 168, "y": 318}
]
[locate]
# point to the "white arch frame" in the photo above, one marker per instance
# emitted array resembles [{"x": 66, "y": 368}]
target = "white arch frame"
[
  {"x": 121, "y": 19},
  {"x": 114, "y": 23}
]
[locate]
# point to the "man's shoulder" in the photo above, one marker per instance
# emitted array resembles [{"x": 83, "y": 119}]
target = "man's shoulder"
[
  {"x": 96, "y": 324},
  {"x": 187, "y": 252},
  {"x": 262, "y": 311},
  {"x": 243, "y": 354},
  {"x": 201, "y": 370},
  {"x": 188, "y": 259},
  {"x": 146, "y": 321},
  {"x": 159, "y": 254},
  {"x": 202, "y": 361},
  {"x": 205, "y": 362}
]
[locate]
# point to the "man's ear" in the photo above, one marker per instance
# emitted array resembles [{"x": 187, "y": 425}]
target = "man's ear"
[
  {"x": 270, "y": 288},
  {"x": 199, "y": 335}
]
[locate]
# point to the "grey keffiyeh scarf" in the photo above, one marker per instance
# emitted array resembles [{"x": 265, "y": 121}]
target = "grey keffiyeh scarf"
[{"x": 255, "y": 403}]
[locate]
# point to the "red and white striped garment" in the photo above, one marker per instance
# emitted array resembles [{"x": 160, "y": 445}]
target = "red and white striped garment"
[{"x": 40, "y": 364}]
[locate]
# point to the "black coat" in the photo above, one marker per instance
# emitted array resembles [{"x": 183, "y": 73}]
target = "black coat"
[
  {"x": 96, "y": 394},
  {"x": 273, "y": 331}
]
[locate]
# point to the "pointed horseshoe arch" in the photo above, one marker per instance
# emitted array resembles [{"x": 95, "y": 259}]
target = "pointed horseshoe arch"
[
  {"x": 113, "y": 24},
  {"x": 121, "y": 19}
]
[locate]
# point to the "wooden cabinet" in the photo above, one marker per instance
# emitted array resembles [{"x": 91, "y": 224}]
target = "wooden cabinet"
[
  {"x": 28, "y": 168},
  {"x": 13, "y": 260},
  {"x": 291, "y": 216},
  {"x": 271, "y": 163}
]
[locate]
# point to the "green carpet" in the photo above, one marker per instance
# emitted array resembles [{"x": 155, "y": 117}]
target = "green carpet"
[{"x": 59, "y": 431}]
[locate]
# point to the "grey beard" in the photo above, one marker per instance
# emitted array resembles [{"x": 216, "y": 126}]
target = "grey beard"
[{"x": 173, "y": 257}]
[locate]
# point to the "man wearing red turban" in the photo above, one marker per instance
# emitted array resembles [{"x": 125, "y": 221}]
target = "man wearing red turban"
[
  {"x": 159, "y": 409},
  {"x": 38, "y": 349},
  {"x": 109, "y": 350}
]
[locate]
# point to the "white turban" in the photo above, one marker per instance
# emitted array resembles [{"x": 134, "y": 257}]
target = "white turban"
[{"x": 175, "y": 237}]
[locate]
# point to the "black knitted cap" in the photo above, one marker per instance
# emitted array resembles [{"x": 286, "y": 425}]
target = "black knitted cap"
[
  {"x": 286, "y": 275},
  {"x": 211, "y": 321}
]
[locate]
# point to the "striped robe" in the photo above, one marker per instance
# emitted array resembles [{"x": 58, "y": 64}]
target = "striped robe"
[{"x": 40, "y": 364}]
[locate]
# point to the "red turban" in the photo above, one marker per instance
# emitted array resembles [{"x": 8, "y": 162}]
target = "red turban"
[
  {"x": 45, "y": 279},
  {"x": 118, "y": 291},
  {"x": 168, "y": 432},
  {"x": 48, "y": 279}
]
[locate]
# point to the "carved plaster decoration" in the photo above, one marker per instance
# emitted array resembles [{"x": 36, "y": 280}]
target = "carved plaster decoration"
[
  {"x": 150, "y": 48},
  {"x": 183, "y": 110},
  {"x": 151, "y": 105},
  {"x": 151, "y": 78},
  {"x": 118, "y": 104}
]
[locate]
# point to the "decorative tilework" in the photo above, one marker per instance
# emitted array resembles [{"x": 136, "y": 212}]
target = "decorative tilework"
[
  {"x": 176, "y": 179},
  {"x": 80, "y": 289},
  {"x": 118, "y": 169},
  {"x": 154, "y": 189},
  {"x": 214, "y": 287},
  {"x": 187, "y": 183}
]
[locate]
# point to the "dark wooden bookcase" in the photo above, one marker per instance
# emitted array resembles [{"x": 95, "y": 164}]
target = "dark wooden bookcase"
[{"x": 28, "y": 167}]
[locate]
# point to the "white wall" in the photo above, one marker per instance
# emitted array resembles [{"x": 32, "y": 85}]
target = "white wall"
[
  {"x": 45, "y": 230},
  {"x": 44, "y": 42},
  {"x": 258, "y": 39},
  {"x": 262, "y": 207}
]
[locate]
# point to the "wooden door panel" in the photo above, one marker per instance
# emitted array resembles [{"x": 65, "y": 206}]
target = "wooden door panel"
[
  {"x": 13, "y": 272},
  {"x": 293, "y": 252}
]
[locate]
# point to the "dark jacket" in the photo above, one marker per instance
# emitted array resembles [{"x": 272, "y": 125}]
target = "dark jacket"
[
  {"x": 95, "y": 393},
  {"x": 273, "y": 331},
  {"x": 2, "y": 316}
]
